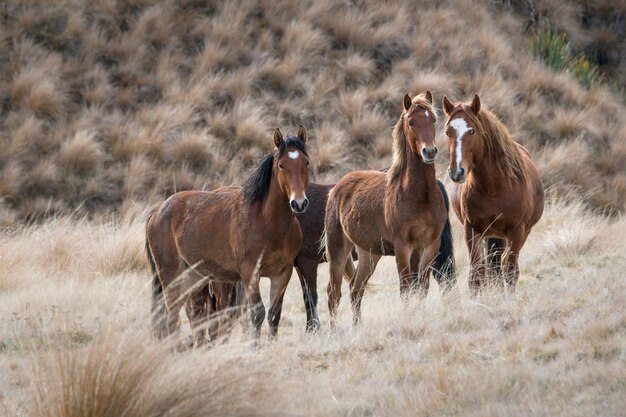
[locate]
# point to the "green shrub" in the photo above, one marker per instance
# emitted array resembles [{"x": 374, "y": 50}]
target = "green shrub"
[
  {"x": 585, "y": 73},
  {"x": 553, "y": 48}
]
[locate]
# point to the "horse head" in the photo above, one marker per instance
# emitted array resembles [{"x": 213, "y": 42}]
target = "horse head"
[
  {"x": 291, "y": 165},
  {"x": 419, "y": 125},
  {"x": 465, "y": 137}
]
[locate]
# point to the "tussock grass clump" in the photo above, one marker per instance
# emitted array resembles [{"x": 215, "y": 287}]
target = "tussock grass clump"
[
  {"x": 133, "y": 376},
  {"x": 82, "y": 152}
]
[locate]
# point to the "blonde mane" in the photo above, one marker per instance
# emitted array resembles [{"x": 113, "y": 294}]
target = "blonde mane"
[
  {"x": 499, "y": 144},
  {"x": 398, "y": 163}
]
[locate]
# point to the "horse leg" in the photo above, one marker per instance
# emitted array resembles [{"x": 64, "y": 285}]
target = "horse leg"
[
  {"x": 516, "y": 240},
  {"x": 349, "y": 271},
  {"x": 226, "y": 304},
  {"x": 173, "y": 304},
  {"x": 364, "y": 270},
  {"x": 403, "y": 263},
  {"x": 477, "y": 267},
  {"x": 213, "y": 311},
  {"x": 495, "y": 250},
  {"x": 307, "y": 272},
  {"x": 196, "y": 309},
  {"x": 277, "y": 294},
  {"x": 250, "y": 277},
  {"x": 423, "y": 265},
  {"x": 338, "y": 249},
  {"x": 166, "y": 265}
]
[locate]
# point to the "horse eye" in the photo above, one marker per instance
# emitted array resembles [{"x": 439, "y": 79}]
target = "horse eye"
[
  {"x": 410, "y": 122},
  {"x": 280, "y": 166},
  {"x": 471, "y": 132}
]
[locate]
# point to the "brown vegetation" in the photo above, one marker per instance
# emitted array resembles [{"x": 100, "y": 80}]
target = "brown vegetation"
[{"x": 111, "y": 101}]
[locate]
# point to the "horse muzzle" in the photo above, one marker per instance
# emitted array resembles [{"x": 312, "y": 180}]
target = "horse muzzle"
[
  {"x": 299, "y": 207},
  {"x": 457, "y": 175},
  {"x": 429, "y": 155}
]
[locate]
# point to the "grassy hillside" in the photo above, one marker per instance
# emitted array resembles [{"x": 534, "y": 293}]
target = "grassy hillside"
[{"x": 105, "y": 103}]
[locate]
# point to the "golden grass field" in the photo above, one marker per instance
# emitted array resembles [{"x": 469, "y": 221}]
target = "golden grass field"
[
  {"x": 74, "y": 331},
  {"x": 107, "y": 107}
]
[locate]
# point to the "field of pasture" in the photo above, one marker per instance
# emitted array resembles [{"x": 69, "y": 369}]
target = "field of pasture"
[
  {"x": 74, "y": 336},
  {"x": 108, "y": 106}
]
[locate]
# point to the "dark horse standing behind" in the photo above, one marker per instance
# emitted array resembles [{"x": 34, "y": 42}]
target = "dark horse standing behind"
[
  {"x": 231, "y": 237},
  {"x": 498, "y": 195},
  {"x": 401, "y": 212}
]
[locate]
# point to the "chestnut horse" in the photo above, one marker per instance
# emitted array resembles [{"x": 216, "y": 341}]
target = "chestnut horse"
[
  {"x": 218, "y": 300},
  {"x": 232, "y": 236},
  {"x": 399, "y": 213},
  {"x": 311, "y": 253},
  {"x": 498, "y": 193}
]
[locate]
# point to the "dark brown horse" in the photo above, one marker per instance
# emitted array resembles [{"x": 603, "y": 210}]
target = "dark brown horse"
[
  {"x": 231, "y": 236},
  {"x": 399, "y": 213},
  {"x": 498, "y": 193},
  {"x": 218, "y": 302}
]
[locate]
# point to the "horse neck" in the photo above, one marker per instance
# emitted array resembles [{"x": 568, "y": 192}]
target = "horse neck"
[
  {"x": 274, "y": 207},
  {"x": 487, "y": 175},
  {"x": 418, "y": 177}
]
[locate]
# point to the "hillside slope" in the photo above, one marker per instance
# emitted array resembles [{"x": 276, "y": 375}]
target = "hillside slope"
[{"x": 114, "y": 102}]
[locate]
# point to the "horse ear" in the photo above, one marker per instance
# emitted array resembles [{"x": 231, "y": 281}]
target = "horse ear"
[
  {"x": 302, "y": 134},
  {"x": 407, "y": 102},
  {"x": 429, "y": 96},
  {"x": 447, "y": 106},
  {"x": 278, "y": 138},
  {"x": 476, "y": 103}
]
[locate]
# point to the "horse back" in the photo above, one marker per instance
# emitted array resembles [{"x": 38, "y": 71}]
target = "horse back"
[{"x": 198, "y": 226}]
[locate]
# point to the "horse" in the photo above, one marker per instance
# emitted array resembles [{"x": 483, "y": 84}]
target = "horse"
[
  {"x": 498, "y": 194},
  {"x": 231, "y": 237},
  {"x": 312, "y": 254},
  {"x": 218, "y": 300},
  {"x": 400, "y": 212}
]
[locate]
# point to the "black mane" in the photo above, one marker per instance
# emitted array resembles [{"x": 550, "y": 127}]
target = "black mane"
[{"x": 257, "y": 184}]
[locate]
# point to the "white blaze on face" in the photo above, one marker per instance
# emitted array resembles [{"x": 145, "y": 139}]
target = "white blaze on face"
[
  {"x": 461, "y": 128},
  {"x": 293, "y": 154},
  {"x": 426, "y": 113}
]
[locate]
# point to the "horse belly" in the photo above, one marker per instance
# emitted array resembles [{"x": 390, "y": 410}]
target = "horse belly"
[
  {"x": 209, "y": 248},
  {"x": 367, "y": 236}
]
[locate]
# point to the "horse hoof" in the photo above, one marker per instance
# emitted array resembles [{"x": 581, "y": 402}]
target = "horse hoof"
[{"x": 313, "y": 326}]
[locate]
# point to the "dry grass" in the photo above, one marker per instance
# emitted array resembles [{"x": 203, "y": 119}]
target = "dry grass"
[
  {"x": 74, "y": 335},
  {"x": 195, "y": 91}
]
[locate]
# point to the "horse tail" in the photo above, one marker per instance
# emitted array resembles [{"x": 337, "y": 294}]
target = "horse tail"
[
  {"x": 495, "y": 249},
  {"x": 444, "y": 265},
  {"x": 158, "y": 303}
]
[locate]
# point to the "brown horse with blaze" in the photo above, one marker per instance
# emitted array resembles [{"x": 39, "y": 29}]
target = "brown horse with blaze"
[
  {"x": 498, "y": 195},
  {"x": 231, "y": 237},
  {"x": 400, "y": 212}
]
